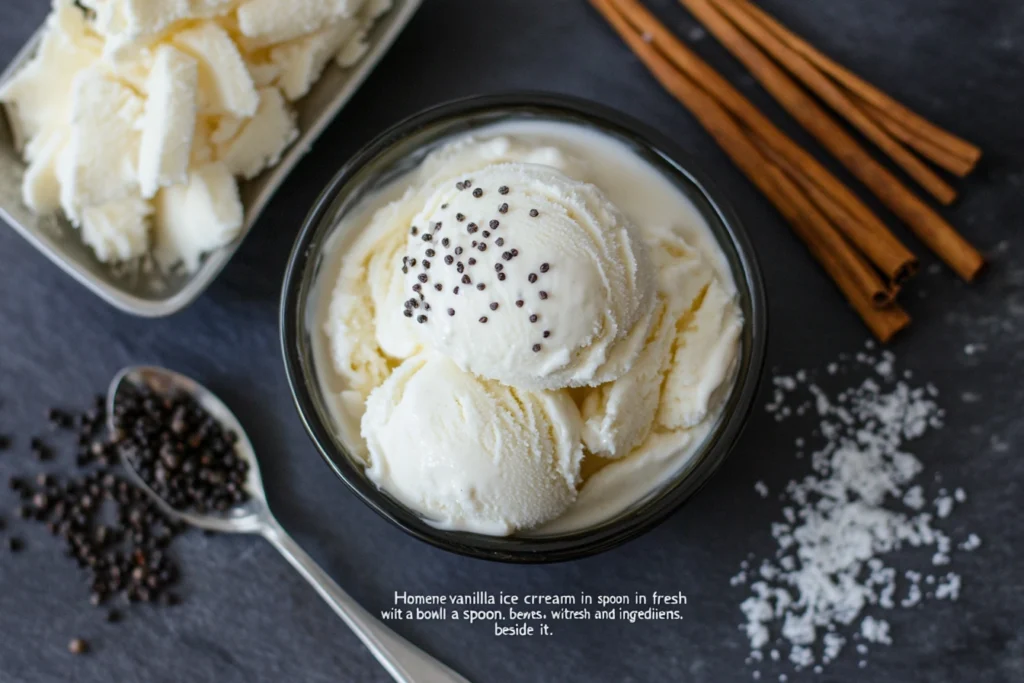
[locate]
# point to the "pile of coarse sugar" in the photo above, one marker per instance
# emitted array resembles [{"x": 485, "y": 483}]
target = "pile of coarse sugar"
[{"x": 828, "y": 584}]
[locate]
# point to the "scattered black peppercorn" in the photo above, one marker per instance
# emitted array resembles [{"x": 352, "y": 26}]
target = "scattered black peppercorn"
[
  {"x": 545, "y": 267},
  {"x": 536, "y": 348},
  {"x": 534, "y": 213},
  {"x": 478, "y": 193},
  {"x": 542, "y": 294}
]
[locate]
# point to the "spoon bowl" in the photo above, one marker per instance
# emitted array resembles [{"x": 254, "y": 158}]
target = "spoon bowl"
[
  {"x": 405, "y": 662},
  {"x": 245, "y": 518}
]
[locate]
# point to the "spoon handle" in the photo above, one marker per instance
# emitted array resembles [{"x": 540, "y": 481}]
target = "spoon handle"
[{"x": 404, "y": 661}]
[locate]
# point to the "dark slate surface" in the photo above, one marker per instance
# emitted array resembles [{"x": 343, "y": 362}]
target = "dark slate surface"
[{"x": 248, "y": 617}]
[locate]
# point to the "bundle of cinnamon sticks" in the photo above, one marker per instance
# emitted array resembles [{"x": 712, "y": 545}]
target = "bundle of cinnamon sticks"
[{"x": 865, "y": 259}]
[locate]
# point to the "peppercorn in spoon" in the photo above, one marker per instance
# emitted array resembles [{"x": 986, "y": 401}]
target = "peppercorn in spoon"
[{"x": 183, "y": 446}]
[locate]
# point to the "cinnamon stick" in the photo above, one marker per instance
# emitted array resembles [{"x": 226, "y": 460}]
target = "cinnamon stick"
[
  {"x": 917, "y": 140},
  {"x": 867, "y": 232},
  {"x": 881, "y": 296},
  {"x": 928, "y": 225},
  {"x": 853, "y": 275},
  {"x": 965, "y": 154},
  {"x": 828, "y": 91}
]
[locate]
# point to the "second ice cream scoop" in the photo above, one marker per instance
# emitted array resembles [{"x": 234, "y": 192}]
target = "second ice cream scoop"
[
  {"x": 470, "y": 453},
  {"x": 523, "y": 275}
]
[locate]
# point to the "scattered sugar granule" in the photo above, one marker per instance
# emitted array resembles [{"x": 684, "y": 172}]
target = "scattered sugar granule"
[
  {"x": 948, "y": 588},
  {"x": 943, "y": 506},
  {"x": 858, "y": 504},
  {"x": 972, "y": 543},
  {"x": 875, "y": 630}
]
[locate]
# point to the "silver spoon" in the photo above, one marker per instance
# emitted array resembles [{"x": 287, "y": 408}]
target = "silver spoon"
[{"x": 404, "y": 661}]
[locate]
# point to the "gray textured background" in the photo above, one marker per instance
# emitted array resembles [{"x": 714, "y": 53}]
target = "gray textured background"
[{"x": 248, "y": 617}]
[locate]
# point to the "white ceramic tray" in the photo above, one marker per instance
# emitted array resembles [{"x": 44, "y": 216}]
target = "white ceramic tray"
[{"x": 148, "y": 294}]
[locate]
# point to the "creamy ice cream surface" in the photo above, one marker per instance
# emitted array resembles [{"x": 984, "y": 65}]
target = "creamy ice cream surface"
[
  {"x": 529, "y": 333},
  {"x": 128, "y": 104},
  {"x": 475, "y": 454},
  {"x": 523, "y": 275}
]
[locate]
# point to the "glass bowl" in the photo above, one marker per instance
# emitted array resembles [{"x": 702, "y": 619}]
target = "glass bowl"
[{"x": 402, "y": 148}]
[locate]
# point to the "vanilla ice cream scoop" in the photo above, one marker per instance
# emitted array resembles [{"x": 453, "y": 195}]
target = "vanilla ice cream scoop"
[
  {"x": 521, "y": 274},
  {"x": 469, "y": 453}
]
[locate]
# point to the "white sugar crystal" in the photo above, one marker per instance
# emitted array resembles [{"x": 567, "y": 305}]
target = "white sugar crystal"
[{"x": 859, "y": 503}]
